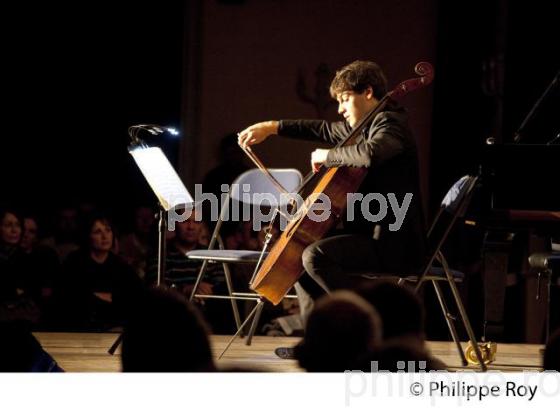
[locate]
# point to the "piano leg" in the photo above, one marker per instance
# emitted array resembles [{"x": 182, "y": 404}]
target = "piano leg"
[{"x": 497, "y": 247}]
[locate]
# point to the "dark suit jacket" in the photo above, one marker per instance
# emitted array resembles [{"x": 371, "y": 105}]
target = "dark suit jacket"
[{"x": 387, "y": 147}]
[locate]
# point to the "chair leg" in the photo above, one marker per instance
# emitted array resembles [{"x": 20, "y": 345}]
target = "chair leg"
[
  {"x": 199, "y": 277},
  {"x": 449, "y": 320},
  {"x": 259, "y": 309},
  {"x": 462, "y": 312},
  {"x": 247, "y": 319},
  {"x": 233, "y": 301}
]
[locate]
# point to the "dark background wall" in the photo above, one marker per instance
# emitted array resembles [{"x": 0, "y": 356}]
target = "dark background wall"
[
  {"x": 76, "y": 76},
  {"x": 262, "y": 60},
  {"x": 494, "y": 59}
]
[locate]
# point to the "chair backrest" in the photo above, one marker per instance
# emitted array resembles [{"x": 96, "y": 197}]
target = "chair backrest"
[
  {"x": 453, "y": 206},
  {"x": 457, "y": 196},
  {"x": 255, "y": 181},
  {"x": 252, "y": 182}
]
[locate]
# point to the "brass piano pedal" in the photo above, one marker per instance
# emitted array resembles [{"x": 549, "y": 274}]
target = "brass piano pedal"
[{"x": 487, "y": 349}]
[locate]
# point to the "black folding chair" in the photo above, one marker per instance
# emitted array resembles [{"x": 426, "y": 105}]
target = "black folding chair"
[
  {"x": 453, "y": 207},
  {"x": 251, "y": 188}
]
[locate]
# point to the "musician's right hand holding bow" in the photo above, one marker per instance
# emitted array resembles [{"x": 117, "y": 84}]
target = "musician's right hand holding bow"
[{"x": 257, "y": 133}]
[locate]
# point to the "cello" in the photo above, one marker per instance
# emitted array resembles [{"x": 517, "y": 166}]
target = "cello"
[{"x": 282, "y": 267}]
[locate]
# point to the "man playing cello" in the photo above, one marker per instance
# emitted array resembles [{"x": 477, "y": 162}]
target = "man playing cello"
[{"x": 388, "y": 150}]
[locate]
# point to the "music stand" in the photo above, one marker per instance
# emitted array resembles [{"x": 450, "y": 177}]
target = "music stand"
[{"x": 166, "y": 185}]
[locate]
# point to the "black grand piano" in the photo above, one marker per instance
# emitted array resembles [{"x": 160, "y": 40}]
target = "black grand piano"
[{"x": 521, "y": 185}]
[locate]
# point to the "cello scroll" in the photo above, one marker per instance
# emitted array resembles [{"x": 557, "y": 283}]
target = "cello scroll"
[{"x": 426, "y": 72}]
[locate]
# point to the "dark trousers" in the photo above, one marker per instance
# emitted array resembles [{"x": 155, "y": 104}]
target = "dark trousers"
[{"x": 338, "y": 262}]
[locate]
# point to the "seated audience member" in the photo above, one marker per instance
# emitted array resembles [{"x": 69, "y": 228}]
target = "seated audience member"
[
  {"x": 21, "y": 352},
  {"x": 401, "y": 311},
  {"x": 232, "y": 163},
  {"x": 66, "y": 230},
  {"x": 551, "y": 360},
  {"x": 135, "y": 246},
  {"x": 341, "y": 328},
  {"x": 10, "y": 237},
  {"x": 40, "y": 264},
  {"x": 181, "y": 273},
  {"x": 15, "y": 304},
  {"x": 243, "y": 237},
  {"x": 97, "y": 288},
  {"x": 166, "y": 334},
  {"x": 402, "y": 316}
]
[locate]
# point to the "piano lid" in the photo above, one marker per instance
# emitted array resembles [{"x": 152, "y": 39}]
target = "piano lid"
[
  {"x": 542, "y": 123},
  {"x": 525, "y": 175}
]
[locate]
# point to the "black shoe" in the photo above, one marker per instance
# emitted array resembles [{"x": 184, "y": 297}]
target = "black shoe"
[{"x": 285, "y": 352}]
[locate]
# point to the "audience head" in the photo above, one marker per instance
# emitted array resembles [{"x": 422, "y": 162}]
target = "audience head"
[
  {"x": 21, "y": 352},
  {"x": 401, "y": 311},
  {"x": 551, "y": 360},
  {"x": 341, "y": 327},
  {"x": 10, "y": 228},
  {"x": 188, "y": 232},
  {"x": 67, "y": 223},
  {"x": 166, "y": 334},
  {"x": 30, "y": 235},
  {"x": 97, "y": 235},
  {"x": 17, "y": 347},
  {"x": 144, "y": 219}
]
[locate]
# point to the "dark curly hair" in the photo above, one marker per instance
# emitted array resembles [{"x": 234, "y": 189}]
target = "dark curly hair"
[{"x": 358, "y": 76}]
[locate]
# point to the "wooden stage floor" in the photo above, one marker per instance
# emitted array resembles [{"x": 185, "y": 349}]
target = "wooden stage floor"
[{"x": 87, "y": 352}]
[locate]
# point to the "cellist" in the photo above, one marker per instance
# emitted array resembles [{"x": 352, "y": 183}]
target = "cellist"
[{"x": 388, "y": 150}]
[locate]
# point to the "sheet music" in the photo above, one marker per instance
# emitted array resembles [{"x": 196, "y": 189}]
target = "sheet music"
[{"x": 161, "y": 177}]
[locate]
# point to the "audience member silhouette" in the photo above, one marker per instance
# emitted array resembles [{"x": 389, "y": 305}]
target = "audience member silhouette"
[
  {"x": 15, "y": 303},
  {"x": 40, "y": 266},
  {"x": 10, "y": 237},
  {"x": 341, "y": 328},
  {"x": 181, "y": 273},
  {"x": 232, "y": 163},
  {"x": 66, "y": 230},
  {"x": 402, "y": 315},
  {"x": 401, "y": 311},
  {"x": 21, "y": 352},
  {"x": 136, "y": 246},
  {"x": 166, "y": 334},
  {"x": 97, "y": 288}
]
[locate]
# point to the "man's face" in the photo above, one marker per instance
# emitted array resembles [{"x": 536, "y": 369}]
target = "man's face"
[
  {"x": 354, "y": 106},
  {"x": 188, "y": 232}
]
